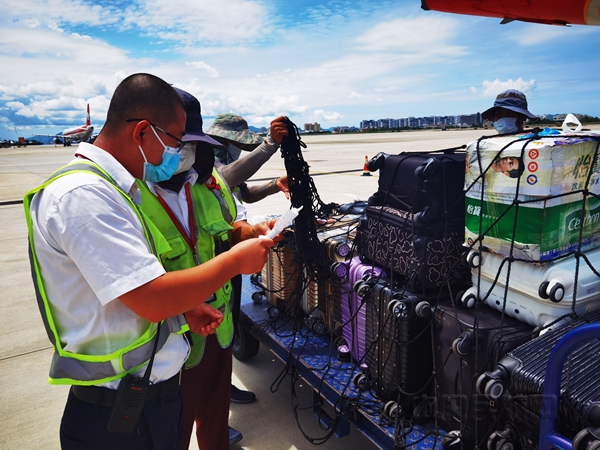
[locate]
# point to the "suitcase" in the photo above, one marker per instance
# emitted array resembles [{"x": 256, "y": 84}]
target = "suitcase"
[
  {"x": 536, "y": 294},
  {"x": 426, "y": 256},
  {"x": 354, "y": 309},
  {"x": 468, "y": 343},
  {"x": 280, "y": 275},
  {"x": 517, "y": 381},
  {"x": 430, "y": 185},
  {"x": 399, "y": 353},
  {"x": 319, "y": 300}
]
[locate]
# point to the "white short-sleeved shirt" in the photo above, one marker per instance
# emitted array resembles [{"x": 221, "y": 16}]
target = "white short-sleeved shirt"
[
  {"x": 91, "y": 249},
  {"x": 177, "y": 201}
]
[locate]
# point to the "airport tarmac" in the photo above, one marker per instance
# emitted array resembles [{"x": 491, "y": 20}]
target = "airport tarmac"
[{"x": 30, "y": 408}]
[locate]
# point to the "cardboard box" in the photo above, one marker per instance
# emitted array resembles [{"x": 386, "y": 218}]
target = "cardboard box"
[
  {"x": 546, "y": 166},
  {"x": 545, "y": 228}
]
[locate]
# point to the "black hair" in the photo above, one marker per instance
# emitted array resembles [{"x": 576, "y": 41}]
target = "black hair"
[{"x": 142, "y": 96}]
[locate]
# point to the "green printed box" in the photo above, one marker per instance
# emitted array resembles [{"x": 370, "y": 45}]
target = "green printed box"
[{"x": 544, "y": 228}]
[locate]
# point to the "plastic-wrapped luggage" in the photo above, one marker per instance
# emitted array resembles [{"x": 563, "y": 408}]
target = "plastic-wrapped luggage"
[
  {"x": 517, "y": 382},
  {"x": 399, "y": 354},
  {"x": 468, "y": 343},
  {"x": 537, "y": 294},
  {"x": 426, "y": 256}
]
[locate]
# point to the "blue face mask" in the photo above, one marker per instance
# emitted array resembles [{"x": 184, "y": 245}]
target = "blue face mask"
[
  {"x": 168, "y": 166},
  {"x": 506, "y": 125}
]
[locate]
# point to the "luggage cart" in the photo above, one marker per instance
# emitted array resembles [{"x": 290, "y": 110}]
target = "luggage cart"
[{"x": 311, "y": 353}]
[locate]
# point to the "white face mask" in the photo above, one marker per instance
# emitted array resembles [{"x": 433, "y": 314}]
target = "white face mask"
[
  {"x": 506, "y": 125},
  {"x": 188, "y": 157},
  {"x": 234, "y": 151}
]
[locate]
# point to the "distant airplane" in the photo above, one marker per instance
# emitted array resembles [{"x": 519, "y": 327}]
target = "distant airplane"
[
  {"x": 551, "y": 12},
  {"x": 69, "y": 135}
]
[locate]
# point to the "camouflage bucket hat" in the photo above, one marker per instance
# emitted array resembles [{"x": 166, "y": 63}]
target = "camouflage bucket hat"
[{"x": 235, "y": 128}]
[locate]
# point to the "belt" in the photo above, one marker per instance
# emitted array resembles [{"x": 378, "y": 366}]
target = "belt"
[{"x": 106, "y": 397}]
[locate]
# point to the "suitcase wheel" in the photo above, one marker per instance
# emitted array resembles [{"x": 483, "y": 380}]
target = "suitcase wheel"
[
  {"x": 425, "y": 217},
  {"x": 257, "y": 297},
  {"x": 473, "y": 259},
  {"x": 503, "y": 440},
  {"x": 542, "y": 290},
  {"x": 556, "y": 291},
  {"x": 587, "y": 439},
  {"x": 273, "y": 311},
  {"x": 339, "y": 270},
  {"x": 342, "y": 249},
  {"x": 398, "y": 309},
  {"x": 362, "y": 289},
  {"x": 468, "y": 298},
  {"x": 451, "y": 440},
  {"x": 361, "y": 381},
  {"x": 423, "y": 309},
  {"x": 255, "y": 279},
  {"x": 391, "y": 410},
  {"x": 376, "y": 162},
  {"x": 426, "y": 170},
  {"x": 462, "y": 344}
]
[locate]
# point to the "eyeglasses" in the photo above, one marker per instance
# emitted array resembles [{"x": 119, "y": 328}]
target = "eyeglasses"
[{"x": 180, "y": 143}]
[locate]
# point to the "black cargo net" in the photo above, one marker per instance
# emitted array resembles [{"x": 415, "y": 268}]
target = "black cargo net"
[
  {"x": 366, "y": 384},
  {"x": 310, "y": 252}
]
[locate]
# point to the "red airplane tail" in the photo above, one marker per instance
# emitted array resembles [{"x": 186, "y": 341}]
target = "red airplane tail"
[{"x": 87, "y": 117}]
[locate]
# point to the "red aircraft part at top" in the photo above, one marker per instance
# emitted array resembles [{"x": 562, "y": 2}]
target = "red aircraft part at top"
[{"x": 553, "y": 12}]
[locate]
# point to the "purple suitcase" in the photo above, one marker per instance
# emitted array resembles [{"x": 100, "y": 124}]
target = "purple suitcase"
[{"x": 354, "y": 309}]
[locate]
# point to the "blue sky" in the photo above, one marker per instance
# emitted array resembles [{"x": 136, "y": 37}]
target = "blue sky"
[{"x": 333, "y": 62}]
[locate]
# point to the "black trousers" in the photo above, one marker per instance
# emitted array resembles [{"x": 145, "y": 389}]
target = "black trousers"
[{"x": 84, "y": 426}]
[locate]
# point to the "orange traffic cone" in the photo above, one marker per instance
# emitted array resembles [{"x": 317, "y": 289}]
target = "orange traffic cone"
[{"x": 366, "y": 172}]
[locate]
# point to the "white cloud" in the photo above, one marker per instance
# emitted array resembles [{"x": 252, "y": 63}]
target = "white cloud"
[
  {"x": 535, "y": 34},
  {"x": 493, "y": 88},
  {"x": 201, "y": 65},
  {"x": 325, "y": 116}
]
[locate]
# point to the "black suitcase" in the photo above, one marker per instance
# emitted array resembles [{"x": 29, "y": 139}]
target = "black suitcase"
[
  {"x": 426, "y": 256},
  {"x": 399, "y": 353},
  {"x": 468, "y": 343},
  {"x": 430, "y": 185},
  {"x": 517, "y": 381}
]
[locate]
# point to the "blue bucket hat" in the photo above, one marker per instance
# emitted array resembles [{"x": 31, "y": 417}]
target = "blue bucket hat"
[
  {"x": 193, "y": 122},
  {"x": 511, "y": 99}
]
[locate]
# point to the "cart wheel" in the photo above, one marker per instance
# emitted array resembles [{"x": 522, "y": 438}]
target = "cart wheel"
[
  {"x": 257, "y": 297},
  {"x": 254, "y": 278},
  {"x": 245, "y": 346},
  {"x": 542, "y": 290}
]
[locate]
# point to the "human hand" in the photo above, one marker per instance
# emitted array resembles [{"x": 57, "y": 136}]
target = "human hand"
[
  {"x": 282, "y": 184},
  {"x": 251, "y": 254},
  {"x": 278, "y": 129},
  {"x": 204, "y": 319}
]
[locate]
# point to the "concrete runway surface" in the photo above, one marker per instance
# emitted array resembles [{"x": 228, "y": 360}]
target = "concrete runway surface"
[{"x": 30, "y": 409}]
